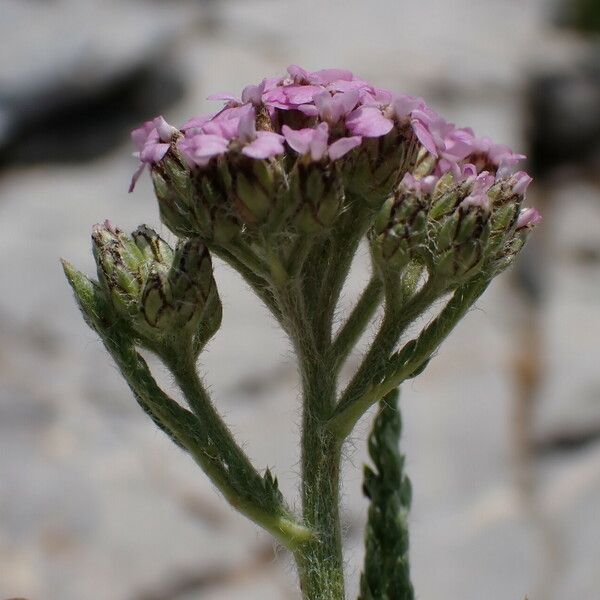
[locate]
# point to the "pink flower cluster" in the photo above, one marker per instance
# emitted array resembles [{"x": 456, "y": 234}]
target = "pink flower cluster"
[{"x": 338, "y": 111}]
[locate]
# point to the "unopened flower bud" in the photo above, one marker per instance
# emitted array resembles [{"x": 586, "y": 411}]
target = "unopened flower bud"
[
  {"x": 399, "y": 233},
  {"x": 176, "y": 298},
  {"x": 121, "y": 267},
  {"x": 379, "y": 165},
  {"x": 316, "y": 196},
  {"x": 254, "y": 190},
  {"x": 458, "y": 240},
  {"x": 503, "y": 257},
  {"x": 152, "y": 246},
  {"x": 160, "y": 293},
  {"x": 176, "y": 197},
  {"x": 191, "y": 280},
  {"x": 528, "y": 218}
]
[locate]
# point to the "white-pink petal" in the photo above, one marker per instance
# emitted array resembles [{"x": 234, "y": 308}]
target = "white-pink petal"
[
  {"x": 343, "y": 146},
  {"x": 165, "y": 131},
  {"x": 266, "y": 145},
  {"x": 424, "y": 136},
  {"x": 404, "y": 105},
  {"x": 528, "y": 217},
  {"x": 152, "y": 153},
  {"x": 225, "y": 97},
  {"x": 246, "y": 130},
  {"x": 521, "y": 181},
  {"x": 297, "y": 139},
  {"x": 368, "y": 121},
  {"x": 318, "y": 142},
  {"x": 140, "y": 135}
]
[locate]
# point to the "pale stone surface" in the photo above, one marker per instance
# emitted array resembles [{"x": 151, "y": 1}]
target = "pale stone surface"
[{"x": 96, "y": 504}]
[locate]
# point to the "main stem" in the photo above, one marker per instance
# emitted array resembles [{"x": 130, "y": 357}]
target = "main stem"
[{"x": 320, "y": 561}]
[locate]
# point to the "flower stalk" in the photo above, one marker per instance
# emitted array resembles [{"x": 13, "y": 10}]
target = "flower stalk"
[{"x": 283, "y": 184}]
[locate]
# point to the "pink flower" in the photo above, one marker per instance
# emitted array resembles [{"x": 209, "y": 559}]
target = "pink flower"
[
  {"x": 200, "y": 148},
  {"x": 228, "y": 98},
  {"x": 225, "y": 128},
  {"x": 308, "y": 141},
  {"x": 314, "y": 142},
  {"x": 333, "y": 108},
  {"x": 421, "y": 186},
  {"x": 195, "y": 124},
  {"x": 291, "y": 96},
  {"x": 343, "y": 85},
  {"x": 253, "y": 93},
  {"x": 237, "y": 123},
  {"x": 165, "y": 131},
  {"x": 456, "y": 147},
  {"x": 343, "y": 146},
  {"x": 497, "y": 155},
  {"x": 224, "y": 124},
  {"x": 322, "y": 77},
  {"x": 520, "y": 182},
  {"x": 528, "y": 218},
  {"x": 333, "y": 99},
  {"x": 403, "y": 106},
  {"x": 374, "y": 117},
  {"x": 431, "y": 129},
  {"x": 258, "y": 144},
  {"x": 479, "y": 194},
  {"x": 368, "y": 121},
  {"x": 152, "y": 140},
  {"x": 370, "y": 96},
  {"x": 468, "y": 172}
]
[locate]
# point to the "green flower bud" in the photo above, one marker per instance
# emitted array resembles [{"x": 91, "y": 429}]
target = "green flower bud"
[
  {"x": 399, "y": 233},
  {"x": 255, "y": 185},
  {"x": 458, "y": 241},
  {"x": 162, "y": 294},
  {"x": 121, "y": 265},
  {"x": 196, "y": 203},
  {"x": 176, "y": 196},
  {"x": 191, "y": 282},
  {"x": 230, "y": 195},
  {"x": 177, "y": 298},
  {"x": 375, "y": 170},
  {"x": 152, "y": 246},
  {"x": 506, "y": 206},
  {"x": 315, "y": 195}
]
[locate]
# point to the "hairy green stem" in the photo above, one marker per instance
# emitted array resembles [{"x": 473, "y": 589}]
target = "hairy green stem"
[
  {"x": 198, "y": 439},
  {"x": 411, "y": 358},
  {"x": 358, "y": 320},
  {"x": 398, "y": 316},
  {"x": 320, "y": 562},
  {"x": 256, "y": 283},
  {"x": 343, "y": 249},
  {"x": 298, "y": 254},
  {"x": 233, "y": 457}
]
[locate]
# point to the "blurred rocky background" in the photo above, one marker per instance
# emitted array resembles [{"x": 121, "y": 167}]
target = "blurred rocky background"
[{"x": 502, "y": 433}]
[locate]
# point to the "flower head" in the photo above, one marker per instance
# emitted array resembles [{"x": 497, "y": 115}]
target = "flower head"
[{"x": 288, "y": 139}]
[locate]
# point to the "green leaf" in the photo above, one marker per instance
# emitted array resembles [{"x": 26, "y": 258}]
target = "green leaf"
[{"x": 386, "y": 573}]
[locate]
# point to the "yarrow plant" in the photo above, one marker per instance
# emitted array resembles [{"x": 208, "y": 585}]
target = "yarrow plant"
[{"x": 282, "y": 184}]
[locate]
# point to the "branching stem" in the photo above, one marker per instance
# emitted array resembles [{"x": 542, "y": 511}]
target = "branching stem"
[
  {"x": 358, "y": 320},
  {"x": 412, "y": 356}
]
